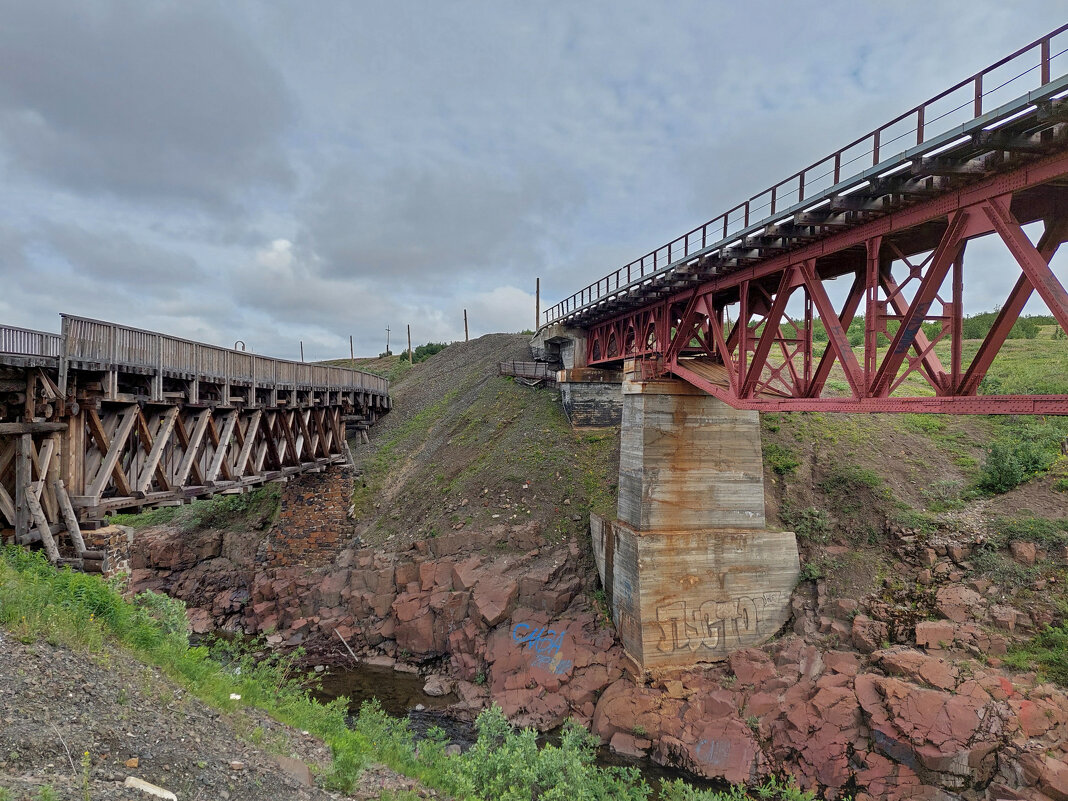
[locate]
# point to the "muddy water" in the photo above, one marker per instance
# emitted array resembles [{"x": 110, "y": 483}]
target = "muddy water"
[{"x": 401, "y": 695}]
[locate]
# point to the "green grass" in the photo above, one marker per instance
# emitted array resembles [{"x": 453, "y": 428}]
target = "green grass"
[
  {"x": 256, "y": 509},
  {"x": 781, "y": 459},
  {"x": 1046, "y": 652},
  {"x": 1039, "y": 530}
]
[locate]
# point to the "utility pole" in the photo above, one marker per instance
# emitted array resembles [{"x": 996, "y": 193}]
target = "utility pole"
[
  {"x": 352, "y": 354},
  {"x": 466, "y": 339},
  {"x": 302, "y": 350},
  {"x": 387, "y": 340},
  {"x": 410, "y": 344},
  {"x": 537, "y": 303}
]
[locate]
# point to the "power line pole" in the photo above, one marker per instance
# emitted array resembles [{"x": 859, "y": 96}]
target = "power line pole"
[
  {"x": 387, "y": 340},
  {"x": 410, "y": 344},
  {"x": 466, "y": 339},
  {"x": 352, "y": 353},
  {"x": 302, "y": 350},
  {"x": 537, "y": 303}
]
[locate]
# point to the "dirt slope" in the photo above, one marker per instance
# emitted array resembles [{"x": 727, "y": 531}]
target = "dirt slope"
[
  {"x": 467, "y": 447},
  {"x": 54, "y": 700}
]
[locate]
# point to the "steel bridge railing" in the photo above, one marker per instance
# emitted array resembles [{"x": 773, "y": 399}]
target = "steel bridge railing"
[
  {"x": 532, "y": 371},
  {"x": 967, "y": 101}
]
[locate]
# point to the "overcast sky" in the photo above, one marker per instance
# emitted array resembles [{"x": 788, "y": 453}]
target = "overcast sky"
[{"x": 281, "y": 171}]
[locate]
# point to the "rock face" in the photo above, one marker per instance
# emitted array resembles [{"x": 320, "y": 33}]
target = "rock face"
[
  {"x": 835, "y": 723},
  {"x": 834, "y": 703}
]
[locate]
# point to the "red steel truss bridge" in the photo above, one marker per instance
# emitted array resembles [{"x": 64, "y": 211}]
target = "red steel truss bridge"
[
  {"x": 891, "y": 214},
  {"x": 104, "y": 418}
]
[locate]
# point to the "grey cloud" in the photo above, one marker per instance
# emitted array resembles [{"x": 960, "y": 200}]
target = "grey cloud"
[
  {"x": 139, "y": 99},
  {"x": 443, "y": 222},
  {"x": 117, "y": 258},
  {"x": 420, "y": 158}
]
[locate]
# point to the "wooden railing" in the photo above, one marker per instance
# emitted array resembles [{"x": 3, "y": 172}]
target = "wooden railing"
[
  {"x": 118, "y": 346},
  {"x": 27, "y": 342},
  {"x": 110, "y": 346}
]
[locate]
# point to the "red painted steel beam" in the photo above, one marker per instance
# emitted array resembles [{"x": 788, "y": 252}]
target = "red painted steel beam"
[
  {"x": 944, "y": 256},
  {"x": 1034, "y": 266},
  {"x": 982, "y": 404},
  {"x": 770, "y": 333},
  {"x": 836, "y": 327},
  {"x": 1032, "y": 175},
  {"x": 1055, "y": 233}
]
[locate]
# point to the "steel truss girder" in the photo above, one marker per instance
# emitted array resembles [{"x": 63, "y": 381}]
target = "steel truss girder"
[{"x": 765, "y": 360}]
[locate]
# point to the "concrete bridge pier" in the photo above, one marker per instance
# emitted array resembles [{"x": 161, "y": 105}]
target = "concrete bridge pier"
[{"x": 689, "y": 568}]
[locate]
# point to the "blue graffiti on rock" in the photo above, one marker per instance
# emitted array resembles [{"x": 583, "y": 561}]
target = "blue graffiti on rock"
[{"x": 544, "y": 645}]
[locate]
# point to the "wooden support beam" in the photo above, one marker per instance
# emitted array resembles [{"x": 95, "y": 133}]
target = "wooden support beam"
[
  {"x": 184, "y": 440},
  {"x": 110, "y": 465},
  {"x": 222, "y": 447},
  {"x": 44, "y": 463},
  {"x": 23, "y": 468},
  {"x": 31, "y": 428},
  {"x": 43, "y": 527},
  {"x": 310, "y": 444},
  {"x": 287, "y": 432},
  {"x": 250, "y": 436},
  {"x": 48, "y": 386},
  {"x": 154, "y": 448},
  {"x": 69, "y": 518},
  {"x": 272, "y": 445},
  {"x": 192, "y": 450},
  {"x": 7, "y": 505}
]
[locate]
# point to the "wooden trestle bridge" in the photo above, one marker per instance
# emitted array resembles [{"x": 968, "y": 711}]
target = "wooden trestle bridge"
[{"x": 104, "y": 418}]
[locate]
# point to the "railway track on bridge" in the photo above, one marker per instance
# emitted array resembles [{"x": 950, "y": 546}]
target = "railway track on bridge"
[{"x": 104, "y": 418}]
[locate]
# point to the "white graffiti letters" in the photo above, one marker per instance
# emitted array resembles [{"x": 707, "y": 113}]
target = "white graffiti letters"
[{"x": 714, "y": 625}]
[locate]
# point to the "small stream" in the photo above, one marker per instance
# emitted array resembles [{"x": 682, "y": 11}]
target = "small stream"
[{"x": 401, "y": 695}]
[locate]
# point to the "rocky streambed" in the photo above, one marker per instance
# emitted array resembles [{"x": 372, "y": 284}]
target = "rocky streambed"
[{"x": 875, "y": 697}]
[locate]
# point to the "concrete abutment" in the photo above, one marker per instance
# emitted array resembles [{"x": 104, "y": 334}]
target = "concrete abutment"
[{"x": 690, "y": 569}]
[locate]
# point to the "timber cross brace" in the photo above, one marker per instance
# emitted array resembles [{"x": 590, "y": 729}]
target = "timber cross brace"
[{"x": 105, "y": 418}]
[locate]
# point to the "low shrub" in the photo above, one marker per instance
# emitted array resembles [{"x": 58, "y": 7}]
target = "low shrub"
[
  {"x": 780, "y": 459},
  {"x": 809, "y": 524}
]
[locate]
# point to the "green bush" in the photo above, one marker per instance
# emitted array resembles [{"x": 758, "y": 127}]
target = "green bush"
[
  {"x": 1001, "y": 470},
  {"x": 977, "y": 326},
  {"x": 1012, "y": 460},
  {"x": 781, "y": 459},
  {"x": 424, "y": 352},
  {"x": 809, "y": 524},
  {"x": 848, "y": 478}
]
